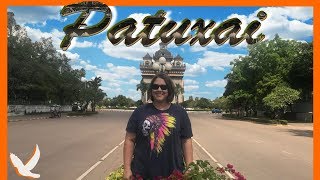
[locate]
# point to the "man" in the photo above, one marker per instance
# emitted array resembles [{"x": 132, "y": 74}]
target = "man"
[{"x": 158, "y": 135}]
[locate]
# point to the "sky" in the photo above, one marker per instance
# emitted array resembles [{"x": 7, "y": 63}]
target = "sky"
[{"x": 118, "y": 66}]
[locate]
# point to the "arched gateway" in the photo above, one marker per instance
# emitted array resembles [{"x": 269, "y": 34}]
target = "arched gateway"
[{"x": 162, "y": 61}]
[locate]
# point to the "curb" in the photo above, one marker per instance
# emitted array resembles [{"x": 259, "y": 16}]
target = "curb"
[
  {"x": 16, "y": 120},
  {"x": 38, "y": 118},
  {"x": 117, "y": 110}
]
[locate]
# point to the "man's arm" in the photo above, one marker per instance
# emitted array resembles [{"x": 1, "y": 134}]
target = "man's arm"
[
  {"x": 187, "y": 150},
  {"x": 127, "y": 154}
]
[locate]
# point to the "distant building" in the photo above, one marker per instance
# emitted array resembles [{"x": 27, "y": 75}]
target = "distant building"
[{"x": 163, "y": 61}]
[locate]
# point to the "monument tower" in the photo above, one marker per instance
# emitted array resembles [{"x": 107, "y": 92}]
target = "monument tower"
[{"x": 163, "y": 61}]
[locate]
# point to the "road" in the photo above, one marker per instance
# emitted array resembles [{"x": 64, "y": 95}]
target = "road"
[{"x": 72, "y": 146}]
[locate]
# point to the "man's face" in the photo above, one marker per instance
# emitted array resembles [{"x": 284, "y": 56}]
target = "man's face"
[{"x": 159, "y": 90}]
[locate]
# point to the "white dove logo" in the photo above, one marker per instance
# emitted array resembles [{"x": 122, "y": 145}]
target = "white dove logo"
[{"x": 25, "y": 170}]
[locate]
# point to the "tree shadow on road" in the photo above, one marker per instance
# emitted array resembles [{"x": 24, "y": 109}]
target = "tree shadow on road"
[
  {"x": 263, "y": 121},
  {"x": 300, "y": 132}
]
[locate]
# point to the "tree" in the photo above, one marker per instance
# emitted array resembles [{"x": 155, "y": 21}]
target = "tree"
[
  {"x": 204, "y": 103},
  {"x": 143, "y": 87},
  {"x": 122, "y": 101},
  {"x": 268, "y": 65},
  {"x": 178, "y": 89},
  {"x": 221, "y": 103},
  {"x": 138, "y": 103},
  {"x": 91, "y": 92},
  {"x": 37, "y": 73},
  {"x": 97, "y": 94},
  {"x": 280, "y": 98}
]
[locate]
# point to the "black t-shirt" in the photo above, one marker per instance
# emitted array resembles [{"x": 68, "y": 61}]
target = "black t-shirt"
[{"x": 158, "y": 148}]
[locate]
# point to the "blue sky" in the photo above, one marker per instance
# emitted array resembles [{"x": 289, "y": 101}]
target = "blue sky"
[{"x": 119, "y": 65}]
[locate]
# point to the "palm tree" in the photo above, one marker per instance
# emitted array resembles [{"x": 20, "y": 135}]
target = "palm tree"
[
  {"x": 143, "y": 87},
  {"x": 178, "y": 89}
]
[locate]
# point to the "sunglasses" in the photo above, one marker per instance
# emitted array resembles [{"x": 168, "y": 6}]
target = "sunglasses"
[{"x": 156, "y": 86}]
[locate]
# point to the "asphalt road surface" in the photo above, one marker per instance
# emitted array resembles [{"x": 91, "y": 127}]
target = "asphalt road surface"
[{"x": 90, "y": 147}]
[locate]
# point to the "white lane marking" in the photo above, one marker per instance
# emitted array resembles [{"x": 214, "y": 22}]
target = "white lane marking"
[
  {"x": 220, "y": 166},
  {"x": 105, "y": 156},
  {"x": 100, "y": 161},
  {"x": 89, "y": 170},
  {"x": 212, "y": 158},
  {"x": 286, "y": 152}
]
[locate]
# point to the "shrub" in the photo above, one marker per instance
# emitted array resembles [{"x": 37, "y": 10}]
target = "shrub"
[
  {"x": 272, "y": 121},
  {"x": 116, "y": 175},
  {"x": 199, "y": 170},
  {"x": 284, "y": 122}
]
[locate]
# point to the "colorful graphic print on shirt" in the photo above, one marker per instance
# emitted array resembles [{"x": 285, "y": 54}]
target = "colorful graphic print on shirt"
[{"x": 158, "y": 127}]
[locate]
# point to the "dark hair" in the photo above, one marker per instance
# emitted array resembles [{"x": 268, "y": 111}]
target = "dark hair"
[{"x": 168, "y": 82}]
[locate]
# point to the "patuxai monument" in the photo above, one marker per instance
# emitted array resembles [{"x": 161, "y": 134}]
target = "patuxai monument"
[{"x": 162, "y": 61}]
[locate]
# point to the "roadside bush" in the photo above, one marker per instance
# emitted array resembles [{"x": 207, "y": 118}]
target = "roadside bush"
[
  {"x": 284, "y": 122},
  {"x": 272, "y": 121},
  {"x": 117, "y": 174}
]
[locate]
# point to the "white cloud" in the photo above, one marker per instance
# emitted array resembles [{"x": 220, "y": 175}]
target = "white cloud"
[
  {"x": 217, "y": 83},
  {"x": 36, "y": 34},
  {"x": 217, "y": 60},
  {"x": 288, "y": 22},
  {"x": 197, "y": 48},
  {"x": 139, "y": 18},
  {"x": 111, "y": 90},
  {"x": 134, "y": 52},
  {"x": 114, "y": 84},
  {"x": 36, "y": 14},
  {"x": 134, "y": 81},
  {"x": 191, "y": 87},
  {"x": 194, "y": 70},
  {"x": 134, "y": 94},
  {"x": 73, "y": 56},
  {"x": 115, "y": 73},
  {"x": 190, "y": 82},
  {"x": 113, "y": 77},
  {"x": 87, "y": 66},
  {"x": 84, "y": 44}
]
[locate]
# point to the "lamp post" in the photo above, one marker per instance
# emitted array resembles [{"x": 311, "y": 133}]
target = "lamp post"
[{"x": 162, "y": 65}]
